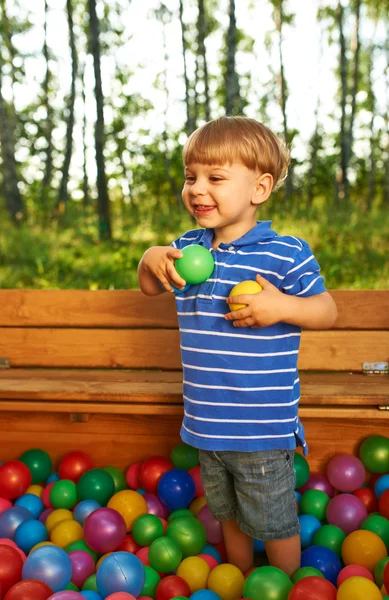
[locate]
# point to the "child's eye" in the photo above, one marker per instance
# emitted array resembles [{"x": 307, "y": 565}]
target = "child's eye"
[
  {"x": 189, "y": 178},
  {"x": 215, "y": 178}
]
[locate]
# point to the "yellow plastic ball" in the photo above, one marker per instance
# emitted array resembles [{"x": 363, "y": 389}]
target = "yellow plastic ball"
[
  {"x": 358, "y": 588},
  {"x": 41, "y": 544},
  {"x": 197, "y": 505},
  {"x": 101, "y": 559},
  {"x": 363, "y": 548},
  {"x": 244, "y": 287},
  {"x": 61, "y": 514},
  {"x": 130, "y": 505},
  {"x": 66, "y": 532},
  {"x": 37, "y": 490},
  {"x": 195, "y": 570},
  {"x": 227, "y": 581}
]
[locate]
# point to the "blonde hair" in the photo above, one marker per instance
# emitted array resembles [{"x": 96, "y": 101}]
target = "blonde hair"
[{"x": 227, "y": 139}]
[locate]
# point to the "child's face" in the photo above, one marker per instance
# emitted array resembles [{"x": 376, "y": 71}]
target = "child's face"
[{"x": 224, "y": 197}]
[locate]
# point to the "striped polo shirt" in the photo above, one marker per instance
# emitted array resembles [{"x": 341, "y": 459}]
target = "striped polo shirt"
[{"x": 241, "y": 386}]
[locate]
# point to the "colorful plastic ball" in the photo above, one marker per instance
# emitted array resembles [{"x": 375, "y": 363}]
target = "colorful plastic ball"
[
  {"x": 146, "y": 529},
  {"x": 196, "y": 265},
  {"x": 35, "y": 489},
  {"x": 120, "y": 596},
  {"x": 66, "y": 532},
  {"x": 379, "y": 525},
  {"x": 90, "y": 595},
  {"x": 301, "y": 469},
  {"x": 119, "y": 479},
  {"x": 213, "y": 527},
  {"x": 90, "y": 584},
  {"x": 267, "y": 583},
  {"x": 152, "y": 579},
  {"x": 178, "y": 291},
  {"x": 383, "y": 504},
  {"x": 132, "y": 475},
  {"x": 306, "y": 572},
  {"x": 189, "y": 533},
  {"x": 195, "y": 473},
  {"x": 15, "y": 478},
  {"x": 30, "y": 533},
  {"x": 210, "y": 560},
  {"x": 212, "y": 551},
  {"x": 171, "y": 587},
  {"x": 312, "y": 588},
  {"x": 353, "y": 571},
  {"x": 52, "y": 478},
  {"x": 46, "y": 495},
  {"x": 38, "y": 462},
  {"x": 129, "y": 544},
  {"x": 379, "y": 571},
  {"x": 314, "y": 502},
  {"x": 56, "y": 516},
  {"x": 318, "y": 481},
  {"x": 95, "y": 484},
  {"x": 63, "y": 494},
  {"x": 130, "y": 505},
  {"x": 386, "y": 576},
  {"x": 83, "y": 566},
  {"x": 308, "y": 527},
  {"x": 30, "y": 589},
  {"x": 155, "y": 506},
  {"x": 374, "y": 453},
  {"x": 178, "y": 513},
  {"x": 5, "y": 504},
  {"x": 49, "y": 564},
  {"x": 381, "y": 485},
  {"x": 259, "y": 546},
  {"x": 363, "y": 548},
  {"x": 43, "y": 516},
  {"x": 176, "y": 489},
  {"x": 74, "y": 464},
  {"x": 323, "y": 559},
  {"x": 205, "y": 595},
  {"x": 358, "y": 588},
  {"x": 184, "y": 456},
  {"x": 195, "y": 571},
  {"x": 227, "y": 581},
  {"x": 346, "y": 472},
  {"x": 104, "y": 530},
  {"x": 33, "y": 503},
  {"x": 331, "y": 537},
  {"x": 81, "y": 545},
  {"x": 11, "y": 565},
  {"x": 65, "y": 595},
  {"x": 10, "y": 520},
  {"x": 165, "y": 554},
  {"x": 368, "y": 498},
  {"x": 152, "y": 470},
  {"x": 120, "y": 572},
  {"x": 83, "y": 509},
  {"x": 347, "y": 512}
]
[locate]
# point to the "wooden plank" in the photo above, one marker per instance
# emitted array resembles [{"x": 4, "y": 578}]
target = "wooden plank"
[
  {"x": 360, "y": 309},
  {"x": 159, "y": 349}
]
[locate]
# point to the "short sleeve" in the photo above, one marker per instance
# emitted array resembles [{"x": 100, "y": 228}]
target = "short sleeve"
[
  {"x": 303, "y": 278},
  {"x": 190, "y": 237}
]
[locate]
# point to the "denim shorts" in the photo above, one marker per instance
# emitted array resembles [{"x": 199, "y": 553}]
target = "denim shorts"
[{"x": 255, "y": 488}]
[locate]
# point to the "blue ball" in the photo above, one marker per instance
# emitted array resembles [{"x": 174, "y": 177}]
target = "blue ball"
[
  {"x": 259, "y": 546},
  {"x": 141, "y": 491},
  {"x": 52, "y": 478},
  {"x": 381, "y": 485},
  {"x": 10, "y": 520},
  {"x": 90, "y": 595},
  {"x": 120, "y": 572},
  {"x": 298, "y": 496},
  {"x": 204, "y": 595},
  {"x": 176, "y": 488},
  {"x": 49, "y": 564},
  {"x": 308, "y": 527},
  {"x": 83, "y": 509},
  {"x": 30, "y": 533},
  {"x": 178, "y": 291},
  {"x": 33, "y": 503},
  {"x": 212, "y": 551},
  {"x": 324, "y": 559}
]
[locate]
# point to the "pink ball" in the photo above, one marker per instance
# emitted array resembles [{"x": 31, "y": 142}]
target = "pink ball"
[
  {"x": 104, "y": 530},
  {"x": 346, "y": 472},
  {"x": 43, "y": 516},
  {"x": 5, "y": 504},
  {"x": 65, "y": 595},
  {"x": 210, "y": 560},
  {"x": 213, "y": 527},
  {"x": 347, "y": 512},
  {"x": 83, "y": 566},
  {"x": 155, "y": 506},
  {"x": 46, "y": 495},
  {"x": 196, "y": 476},
  {"x": 353, "y": 571},
  {"x": 318, "y": 481},
  {"x": 132, "y": 475},
  {"x": 120, "y": 596}
]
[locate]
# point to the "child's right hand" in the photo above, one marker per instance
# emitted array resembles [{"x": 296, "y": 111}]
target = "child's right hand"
[{"x": 159, "y": 261}]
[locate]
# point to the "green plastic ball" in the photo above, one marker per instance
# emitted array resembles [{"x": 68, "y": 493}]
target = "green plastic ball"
[
  {"x": 165, "y": 554},
  {"x": 39, "y": 463},
  {"x": 301, "y": 469},
  {"x": 184, "y": 456},
  {"x": 180, "y": 512},
  {"x": 374, "y": 453},
  {"x": 330, "y": 536},
  {"x": 63, "y": 494},
  {"x": 379, "y": 571},
  {"x": 196, "y": 265},
  {"x": 90, "y": 584},
  {"x": 119, "y": 479},
  {"x": 71, "y": 586},
  {"x": 152, "y": 579},
  {"x": 379, "y": 525},
  {"x": 81, "y": 545},
  {"x": 306, "y": 572},
  {"x": 96, "y": 484},
  {"x": 314, "y": 502},
  {"x": 189, "y": 533},
  {"x": 146, "y": 529},
  {"x": 267, "y": 583}
]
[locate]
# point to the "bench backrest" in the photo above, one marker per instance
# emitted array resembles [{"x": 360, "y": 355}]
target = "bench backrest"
[{"x": 125, "y": 329}]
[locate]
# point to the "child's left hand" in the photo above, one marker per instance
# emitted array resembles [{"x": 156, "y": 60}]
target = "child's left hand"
[{"x": 263, "y": 309}]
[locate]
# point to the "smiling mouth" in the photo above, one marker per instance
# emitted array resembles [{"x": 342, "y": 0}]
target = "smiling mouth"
[{"x": 202, "y": 209}]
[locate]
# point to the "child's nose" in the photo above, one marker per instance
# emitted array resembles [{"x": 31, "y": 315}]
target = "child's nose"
[{"x": 198, "y": 188}]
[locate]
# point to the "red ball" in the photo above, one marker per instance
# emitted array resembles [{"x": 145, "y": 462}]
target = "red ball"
[
  {"x": 75, "y": 464},
  {"x": 222, "y": 551},
  {"x": 28, "y": 589},
  {"x": 368, "y": 498},
  {"x": 353, "y": 571},
  {"x": 211, "y": 561},
  {"x": 129, "y": 545},
  {"x": 151, "y": 471},
  {"x": 172, "y": 586},
  {"x": 120, "y": 596},
  {"x": 132, "y": 475},
  {"x": 313, "y": 588},
  {"x": 15, "y": 478},
  {"x": 195, "y": 472},
  {"x": 373, "y": 479},
  {"x": 386, "y": 576},
  {"x": 383, "y": 505},
  {"x": 11, "y": 565}
]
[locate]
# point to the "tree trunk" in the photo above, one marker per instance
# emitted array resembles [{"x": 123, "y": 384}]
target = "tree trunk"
[
  {"x": 49, "y": 113},
  {"x": 63, "y": 190},
  {"x": 102, "y": 188},
  {"x": 372, "y": 102},
  {"x": 189, "y": 126},
  {"x": 201, "y": 27},
  {"x": 343, "y": 176},
  {"x": 233, "y": 99},
  {"x": 8, "y": 43},
  {"x": 386, "y": 120},
  {"x": 85, "y": 182}
]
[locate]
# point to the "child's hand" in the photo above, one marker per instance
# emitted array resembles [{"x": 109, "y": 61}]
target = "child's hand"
[
  {"x": 159, "y": 261},
  {"x": 263, "y": 309}
]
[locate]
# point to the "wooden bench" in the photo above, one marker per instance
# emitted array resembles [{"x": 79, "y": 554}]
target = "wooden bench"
[{"x": 100, "y": 371}]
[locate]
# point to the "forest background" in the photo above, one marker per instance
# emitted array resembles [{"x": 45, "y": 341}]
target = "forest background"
[{"x": 97, "y": 98}]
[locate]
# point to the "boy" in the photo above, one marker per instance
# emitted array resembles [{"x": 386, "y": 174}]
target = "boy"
[{"x": 241, "y": 385}]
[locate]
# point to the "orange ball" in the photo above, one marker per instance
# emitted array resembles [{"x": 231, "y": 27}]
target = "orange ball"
[
  {"x": 130, "y": 505},
  {"x": 363, "y": 548}
]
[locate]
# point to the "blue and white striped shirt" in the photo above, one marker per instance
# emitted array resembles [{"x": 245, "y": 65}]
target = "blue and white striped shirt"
[{"x": 241, "y": 386}]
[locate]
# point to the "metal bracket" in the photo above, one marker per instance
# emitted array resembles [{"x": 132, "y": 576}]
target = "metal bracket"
[
  {"x": 4, "y": 363},
  {"x": 383, "y": 407},
  {"x": 80, "y": 417},
  {"x": 375, "y": 368}
]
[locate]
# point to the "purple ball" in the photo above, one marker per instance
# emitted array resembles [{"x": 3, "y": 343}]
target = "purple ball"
[
  {"x": 318, "y": 481},
  {"x": 347, "y": 512},
  {"x": 346, "y": 472},
  {"x": 104, "y": 530},
  {"x": 66, "y": 595},
  {"x": 83, "y": 566},
  {"x": 10, "y": 520},
  {"x": 213, "y": 527},
  {"x": 155, "y": 506},
  {"x": 45, "y": 514}
]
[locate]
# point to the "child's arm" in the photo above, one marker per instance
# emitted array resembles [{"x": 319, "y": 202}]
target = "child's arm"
[{"x": 156, "y": 267}]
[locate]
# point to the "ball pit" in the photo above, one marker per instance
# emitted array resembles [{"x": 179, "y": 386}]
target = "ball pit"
[{"x": 103, "y": 534}]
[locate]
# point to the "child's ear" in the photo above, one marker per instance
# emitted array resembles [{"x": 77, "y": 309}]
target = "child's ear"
[{"x": 263, "y": 189}]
